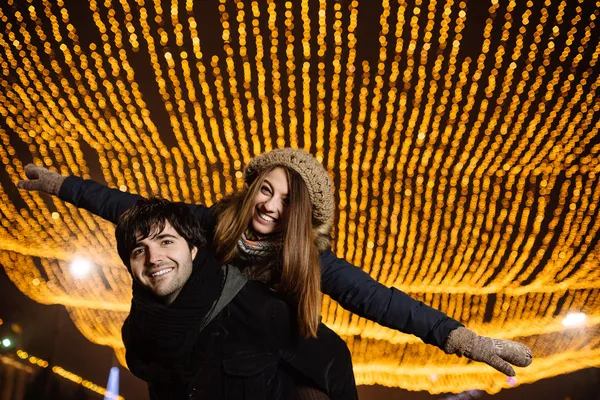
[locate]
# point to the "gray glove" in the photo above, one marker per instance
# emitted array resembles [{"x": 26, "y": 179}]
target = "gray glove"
[
  {"x": 41, "y": 179},
  {"x": 497, "y": 353}
]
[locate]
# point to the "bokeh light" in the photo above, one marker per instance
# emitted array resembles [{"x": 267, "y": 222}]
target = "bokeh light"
[
  {"x": 80, "y": 267},
  {"x": 462, "y": 138},
  {"x": 574, "y": 319}
]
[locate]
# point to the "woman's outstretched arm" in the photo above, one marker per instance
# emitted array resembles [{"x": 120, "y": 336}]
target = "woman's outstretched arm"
[
  {"x": 92, "y": 196},
  {"x": 356, "y": 291}
]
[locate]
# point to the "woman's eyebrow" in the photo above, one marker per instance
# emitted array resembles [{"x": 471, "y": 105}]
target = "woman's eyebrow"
[{"x": 271, "y": 186}]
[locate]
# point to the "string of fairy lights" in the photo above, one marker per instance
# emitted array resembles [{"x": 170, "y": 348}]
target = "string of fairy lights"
[
  {"x": 63, "y": 373},
  {"x": 462, "y": 138}
]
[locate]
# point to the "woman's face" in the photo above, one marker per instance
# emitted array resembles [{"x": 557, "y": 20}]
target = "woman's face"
[{"x": 270, "y": 204}]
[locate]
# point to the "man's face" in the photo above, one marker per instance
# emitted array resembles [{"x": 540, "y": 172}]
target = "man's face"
[{"x": 162, "y": 263}]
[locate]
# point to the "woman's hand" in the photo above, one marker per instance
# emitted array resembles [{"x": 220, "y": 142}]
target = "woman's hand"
[
  {"x": 42, "y": 180},
  {"x": 497, "y": 353}
]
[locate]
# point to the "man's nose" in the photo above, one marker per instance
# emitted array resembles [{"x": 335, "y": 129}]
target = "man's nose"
[{"x": 154, "y": 256}]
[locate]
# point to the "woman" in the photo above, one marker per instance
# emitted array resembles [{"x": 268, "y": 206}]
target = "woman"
[
  {"x": 268, "y": 225},
  {"x": 265, "y": 228}
]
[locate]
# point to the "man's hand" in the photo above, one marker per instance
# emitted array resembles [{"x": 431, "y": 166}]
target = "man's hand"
[
  {"x": 497, "y": 353},
  {"x": 41, "y": 179}
]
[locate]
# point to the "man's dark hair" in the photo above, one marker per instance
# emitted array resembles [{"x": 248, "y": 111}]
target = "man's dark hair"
[{"x": 150, "y": 216}]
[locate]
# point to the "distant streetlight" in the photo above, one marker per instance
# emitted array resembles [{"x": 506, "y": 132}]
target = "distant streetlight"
[
  {"x": 6, "y": 342},
  {"x": 574, "y": 319},
  {"x": 80, "y": 267}
]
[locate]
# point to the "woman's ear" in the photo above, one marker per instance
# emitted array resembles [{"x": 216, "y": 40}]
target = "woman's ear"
[{"x": 194, "y": 252}]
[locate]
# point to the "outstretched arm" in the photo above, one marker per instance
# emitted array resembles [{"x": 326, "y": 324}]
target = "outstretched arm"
[
  {"x": 356, "y": 291},
  {"x": 98, "y": 199}
]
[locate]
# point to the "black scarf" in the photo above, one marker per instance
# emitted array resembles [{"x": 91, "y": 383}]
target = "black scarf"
[{"x": 159, "y": 339}]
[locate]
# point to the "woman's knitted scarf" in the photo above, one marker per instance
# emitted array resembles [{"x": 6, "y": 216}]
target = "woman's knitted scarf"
[
  {"x": 259, "y": 255},
  {"x": 159, "y": 339}
]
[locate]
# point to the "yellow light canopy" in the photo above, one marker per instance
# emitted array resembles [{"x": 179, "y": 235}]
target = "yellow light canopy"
[{"x": 462, "y": 139}]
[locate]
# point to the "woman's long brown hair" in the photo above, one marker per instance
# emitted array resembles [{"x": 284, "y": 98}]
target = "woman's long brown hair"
[{"x": 301, "y": 271}]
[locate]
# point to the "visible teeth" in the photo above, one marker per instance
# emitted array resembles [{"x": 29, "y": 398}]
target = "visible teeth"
[
  {"x": 162, "y": 272},
  {"x": 266, "y": 217}
]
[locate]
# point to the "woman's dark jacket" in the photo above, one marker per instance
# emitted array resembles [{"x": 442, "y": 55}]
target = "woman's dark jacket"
[{"x": 350, "y": 286}]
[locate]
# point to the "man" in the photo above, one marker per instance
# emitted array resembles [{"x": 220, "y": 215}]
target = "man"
[{"x": 176, "y": 337}]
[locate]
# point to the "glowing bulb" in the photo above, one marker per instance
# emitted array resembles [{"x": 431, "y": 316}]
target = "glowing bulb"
[
  {"x": 80, "y": 267},
  {"x": 574, "y": 319},
  {"x": 6, "y": 342}
]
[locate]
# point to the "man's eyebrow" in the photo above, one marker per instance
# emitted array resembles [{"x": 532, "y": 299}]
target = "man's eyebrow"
[
  {"x": 164, "y": 235},
  {"x": 159, "y": 237}
]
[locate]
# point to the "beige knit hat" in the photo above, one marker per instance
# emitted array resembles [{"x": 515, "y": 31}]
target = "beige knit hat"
[{"x": 314, "y": 175}]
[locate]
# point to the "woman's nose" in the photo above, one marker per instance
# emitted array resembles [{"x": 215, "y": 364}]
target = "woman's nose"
[{"x": 272, "y": 204}]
